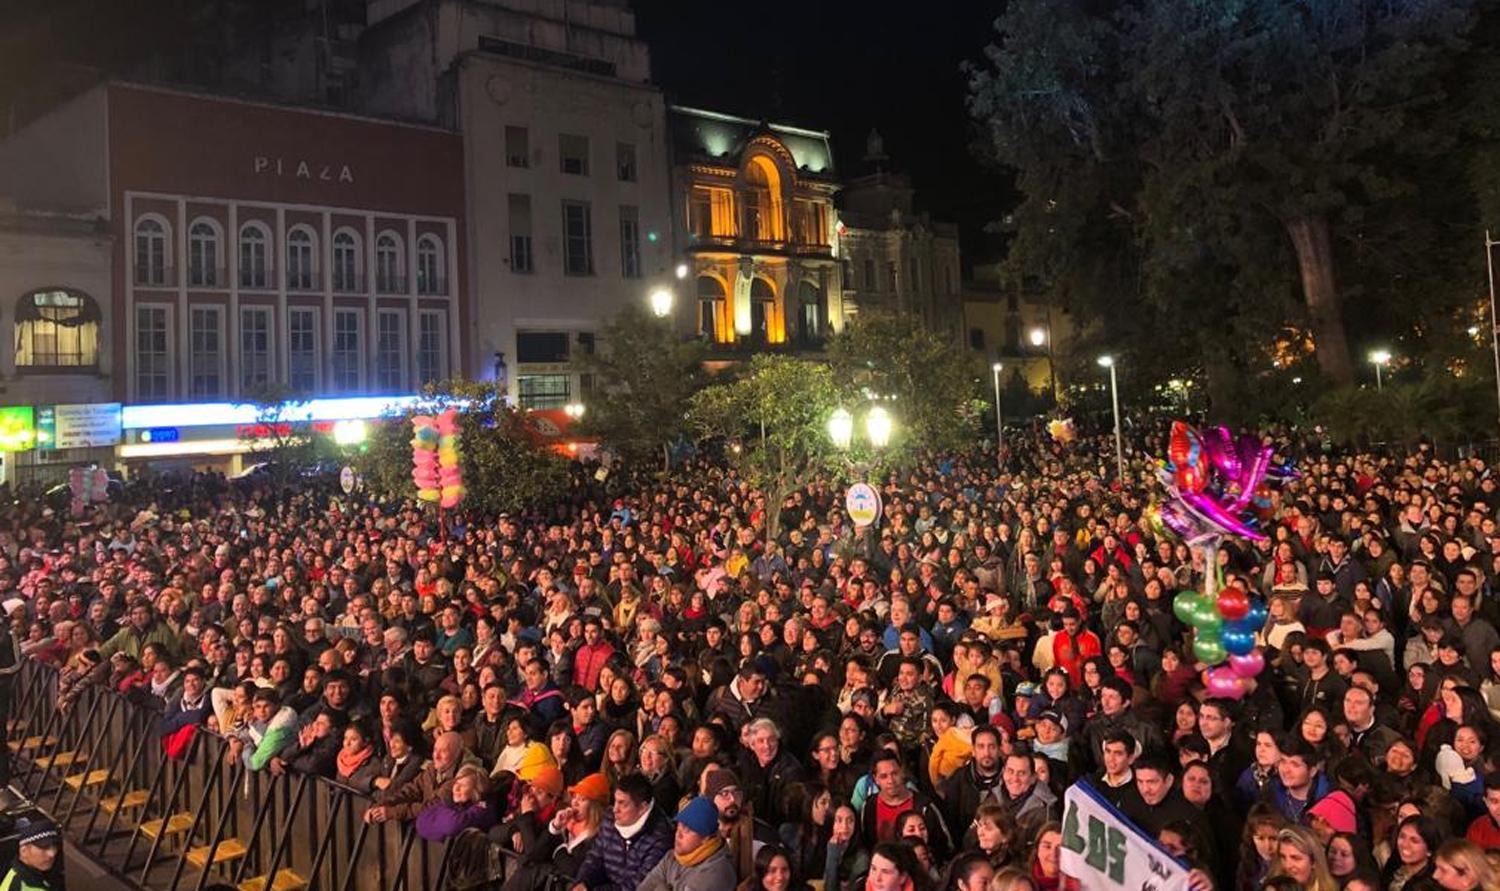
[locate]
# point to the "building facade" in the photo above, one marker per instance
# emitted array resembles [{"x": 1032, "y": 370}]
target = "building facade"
[
  {"x": 755, "y": 224},
  {"x": 1032, "y": 340},
  {"x": 565, "y": 149},
  {"x": 894, "y": 258},
  {"x": 259, "y": 247}
]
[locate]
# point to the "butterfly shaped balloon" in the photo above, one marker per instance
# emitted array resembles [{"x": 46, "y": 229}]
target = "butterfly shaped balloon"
[{"x": 1212, "y": 479}]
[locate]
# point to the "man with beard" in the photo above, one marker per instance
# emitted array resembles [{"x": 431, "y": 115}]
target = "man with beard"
[{"x": 977, "y": 782}]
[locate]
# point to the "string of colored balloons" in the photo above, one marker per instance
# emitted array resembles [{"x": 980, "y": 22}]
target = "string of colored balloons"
[
  {"x": 435, "y": 458},
  {"x": 1214, "y": 482}
]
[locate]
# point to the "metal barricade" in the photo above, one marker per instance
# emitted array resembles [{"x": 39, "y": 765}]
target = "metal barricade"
[{"x": 100, "y": 769}]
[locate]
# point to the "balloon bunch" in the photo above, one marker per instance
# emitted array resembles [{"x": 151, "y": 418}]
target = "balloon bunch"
[
  {"x": 1062, "y": 430},
  {"x": 424, "y": 458},
  {"x": 1211, "y": 479},
  {"x": 450, "y": 474},
  {"x": 435, "y": 458},
  {"x": 1224, "y": 629},
  {"x": 89, "y": 486}
]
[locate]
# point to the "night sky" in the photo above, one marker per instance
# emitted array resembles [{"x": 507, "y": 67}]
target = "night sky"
[{"x": 845, "y": 66}]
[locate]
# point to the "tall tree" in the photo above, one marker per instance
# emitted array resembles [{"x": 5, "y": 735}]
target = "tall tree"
[
  {"x": 644, "y": 375},
  {"x": 504, "y": 466},
  {"x": 776, "y": 416},
  {"x": 1210, "y": 126}
]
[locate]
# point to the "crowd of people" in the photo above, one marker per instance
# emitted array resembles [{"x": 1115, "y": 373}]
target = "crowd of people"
[{"x": 640, "y": 687}]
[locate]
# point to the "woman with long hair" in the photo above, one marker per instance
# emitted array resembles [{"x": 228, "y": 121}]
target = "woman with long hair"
[
  {"x": 1462, "y": 866},
  {"x": 1350, "y": 859},
  {"x": 996, "y": 835},
  {"x": 774, "y": 871},
  {"x": 847, "y": 857},
  {"x": 1300, "y": 857},
  {"x": 1417, "y": 840},
  {"x": 619, "y": 756},
  {"x": 1258, "y": 847},
  {"x": 1046, "y": 861},
  {"x": 659, "y": 765},
  {"x": 806, "y": 833}
]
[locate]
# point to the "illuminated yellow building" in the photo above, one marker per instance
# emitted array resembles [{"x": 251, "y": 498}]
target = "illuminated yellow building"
[{"x": 753, "y": 210}]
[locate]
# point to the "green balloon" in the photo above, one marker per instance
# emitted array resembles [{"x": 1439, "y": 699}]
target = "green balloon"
[
  {"x": 1207, "y": 618},
  {"x": 1209, "y": 652},
  {"x": 1186, "y": 605}
]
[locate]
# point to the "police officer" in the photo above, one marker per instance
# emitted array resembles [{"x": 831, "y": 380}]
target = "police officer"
[{"x": 39, "y": 839}]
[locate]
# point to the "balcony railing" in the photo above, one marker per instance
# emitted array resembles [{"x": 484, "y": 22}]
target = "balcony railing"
[
  {"x": 390, "y": 284},
  {"x": 156, "y": 276},
  {"x": 304, "y": 283},
  {"x": 348, "y": 284},
  {"x": 432, "y": 287},
  {"x": 208, "y": 278}
]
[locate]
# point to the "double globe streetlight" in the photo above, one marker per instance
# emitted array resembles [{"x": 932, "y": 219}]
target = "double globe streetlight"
[{"x": 878, "y": 425}]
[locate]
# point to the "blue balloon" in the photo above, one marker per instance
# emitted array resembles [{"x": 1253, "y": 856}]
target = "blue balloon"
[
  {"x": 1258, "y": 614},
  {"x": 1247, "y": 625},
  {"x": 1238, "y": 643}
]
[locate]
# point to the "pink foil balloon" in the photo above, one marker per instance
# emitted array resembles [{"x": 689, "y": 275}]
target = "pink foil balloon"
[{"x": 1248, "y": 665}]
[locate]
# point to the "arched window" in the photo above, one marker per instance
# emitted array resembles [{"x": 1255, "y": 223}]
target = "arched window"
[
  {"x": 762, "y": 200},
  {"x": 57, "y": 328},
  {"x": 762, "y": 308},
  {"x": 388, "y": 264},
  {"x": 809, "y": 315},
  {"x": 301, "y": 269},
  {"x": 203, "y": 254},
  {"x": 346, "y": 275},
  {"x": 254, "y": 260},
  {"x": 151, "y": 251},
  {"x": 711, "y": 307},
  {"x": 430, "y": 266}
]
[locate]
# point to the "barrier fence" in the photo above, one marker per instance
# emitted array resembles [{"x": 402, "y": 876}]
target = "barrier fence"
[{"x": 98, "y": 767}]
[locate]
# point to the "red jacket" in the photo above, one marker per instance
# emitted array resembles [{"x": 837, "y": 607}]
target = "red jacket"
[
  {"x": 1069, "y": 654},
  {"x": 587, "y": 663}
]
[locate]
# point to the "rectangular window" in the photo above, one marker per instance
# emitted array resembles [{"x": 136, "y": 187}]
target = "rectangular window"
[
  {"x": 432, "y": 346},
  {"x": 541, "y": 347},
  {"x": 520, "y": 234},
  {"x": 255, "y": 348},
  {"x": 203, "y": 258},
  {"x": 390, "y": 351},
  {"x": 517, "y": 147},
  {"x": 630, "y": 242},
  {"x": 573, "y": 154},
  {"x": 206, "y": 352},
  {"x": 347, "y": 351},
  {"x": 711, "y": 213},
  {"x": 152, "y": 367},
  {"x": 869, "y": 274},
  {"x": 976, "y": 339},
  {"x": 625, "y": 161},
  {"x": 302, "y": 350},
  {"x": 544, "y": 390},
  {"x": 890, "y": 274},
  {"x": 578, "y": 238}
]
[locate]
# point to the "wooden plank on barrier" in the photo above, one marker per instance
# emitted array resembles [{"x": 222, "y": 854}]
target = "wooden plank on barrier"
[
  {"x": 286, "y": 880},
  {"x": 132, "y": 799},
  {"x": 170, "y": 826},
  {"x": 92, "y": 778},
  {"x": 61, "y": 759},
  {"x": 33, "y": 742},
  {"x": 228, "y": 849}
]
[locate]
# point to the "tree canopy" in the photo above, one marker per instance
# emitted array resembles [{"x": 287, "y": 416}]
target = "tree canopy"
[{"x": 1203, "y": 176}]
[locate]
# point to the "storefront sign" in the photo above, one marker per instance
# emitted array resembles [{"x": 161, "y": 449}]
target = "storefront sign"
[
  {"x": 309, "y": 170},
  {"x": 78, "y": 426},
  {"x": 161, "y": 434},
  {"x": 1105, "y": 851},
  {"x": 863, "y": 504}
]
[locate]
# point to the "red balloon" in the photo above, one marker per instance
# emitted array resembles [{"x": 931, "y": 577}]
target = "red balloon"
[{"x": 1233, "y": 604}]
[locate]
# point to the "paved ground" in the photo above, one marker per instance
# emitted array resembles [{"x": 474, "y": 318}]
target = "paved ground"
[{"x": 84, "y": 874}]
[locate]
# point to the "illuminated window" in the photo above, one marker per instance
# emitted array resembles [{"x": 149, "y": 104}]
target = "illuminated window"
[
  {"x": 57, "y": 329},
  {"x": 545, "y": 390},
  {"x": 711, "y": 308}
]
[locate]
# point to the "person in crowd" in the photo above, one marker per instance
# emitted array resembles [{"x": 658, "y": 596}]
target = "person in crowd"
[{"x": 633, "y": 840}]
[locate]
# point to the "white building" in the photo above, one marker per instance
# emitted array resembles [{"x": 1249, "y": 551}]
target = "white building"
[{"x": 565, "y": 151}]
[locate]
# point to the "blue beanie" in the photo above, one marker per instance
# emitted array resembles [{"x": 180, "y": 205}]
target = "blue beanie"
[{"x": 701, "y": 815}]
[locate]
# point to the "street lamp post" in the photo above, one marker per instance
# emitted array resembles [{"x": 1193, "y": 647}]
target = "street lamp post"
[
  {"x": 1114, "y": 394},
  {"x": 1379, "y": 358},
  {"x": 661, "y": 302},
  {"x": 999, "y": 430},
  {"x": 1040, "y": 336}
]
